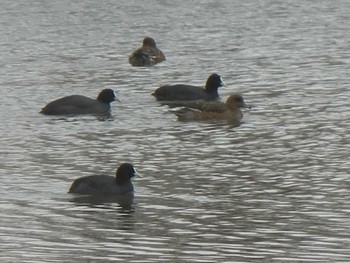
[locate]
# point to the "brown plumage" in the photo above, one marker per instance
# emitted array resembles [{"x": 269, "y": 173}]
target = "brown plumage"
[
  {"x": 202, "y": 111},
  {"x": 147, "y": 55}
]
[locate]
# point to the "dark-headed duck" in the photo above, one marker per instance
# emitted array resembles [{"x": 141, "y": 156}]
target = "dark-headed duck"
[
  {"x": 78, "y": 104},
  {"x": 147, "y": 55},
  {"x": 184, "y": 92},
  {"x": 105, "y": 184}
]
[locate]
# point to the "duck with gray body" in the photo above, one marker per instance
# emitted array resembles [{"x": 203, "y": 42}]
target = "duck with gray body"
[{"x": 78, "y": 104}]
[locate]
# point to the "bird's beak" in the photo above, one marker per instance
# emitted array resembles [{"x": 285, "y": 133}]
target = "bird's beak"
[
  {"x": 137, "y": 174},
  {"x": 222, "y": 83},
  {"x": 246, "y": 106},
  {"x": 115, "y": 97}
]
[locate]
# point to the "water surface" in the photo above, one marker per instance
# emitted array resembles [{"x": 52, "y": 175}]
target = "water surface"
[{"x": 274, "y": 189}]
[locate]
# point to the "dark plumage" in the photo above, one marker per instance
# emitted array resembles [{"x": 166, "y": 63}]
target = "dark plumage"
[
  {"x": 147, "y": 55},
  {"x": 201, "y": 110},
  {"x": 184, "y": 92},
  {"x": 105, "y": 184},
  {"x": 78, "y": 104}
]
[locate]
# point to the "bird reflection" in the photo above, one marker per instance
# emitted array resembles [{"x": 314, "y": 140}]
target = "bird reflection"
[{"x": 124, "y": 201}]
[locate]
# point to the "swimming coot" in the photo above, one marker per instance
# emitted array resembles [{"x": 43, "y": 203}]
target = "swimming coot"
[
  {"x": 106, "y": 184},
  {"x": 184, "y": 92},
  {"x": 78, "y": 104}
]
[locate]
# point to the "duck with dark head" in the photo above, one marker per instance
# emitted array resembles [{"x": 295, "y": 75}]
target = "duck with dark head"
[
  {"x": 79, "y": 104},
  {"x": 186, "y": 92}
]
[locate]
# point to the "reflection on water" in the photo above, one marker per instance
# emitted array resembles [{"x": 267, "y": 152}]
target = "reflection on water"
[
  {"x": 124, "y": 201},
  {"x": 273, "y": 189}
]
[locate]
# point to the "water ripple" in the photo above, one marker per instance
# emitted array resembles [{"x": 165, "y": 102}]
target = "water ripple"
[{"x": 273, "y": 189}]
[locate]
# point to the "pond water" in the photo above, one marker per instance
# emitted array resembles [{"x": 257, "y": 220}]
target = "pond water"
[{"x": 274, "y": 189}]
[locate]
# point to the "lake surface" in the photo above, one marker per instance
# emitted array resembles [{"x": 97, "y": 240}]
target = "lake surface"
[{"x": 274, "y": 189}]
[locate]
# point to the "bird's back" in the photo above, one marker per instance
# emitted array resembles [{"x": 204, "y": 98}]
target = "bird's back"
[
  {"x": 201, "y": 105},
  {"x": 75, "y": 104},
  {"x": 188, "y": 114},
  {"x": 181, "y": 92},
  {"x": 99, "y": 184},
  {"x": 146, "y": 56}
]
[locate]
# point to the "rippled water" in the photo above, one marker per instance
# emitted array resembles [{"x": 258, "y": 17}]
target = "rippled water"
[{"x": 275, "y": 189}]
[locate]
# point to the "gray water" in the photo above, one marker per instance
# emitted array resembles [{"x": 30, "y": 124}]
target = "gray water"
[{"x": 274, "y": 189}]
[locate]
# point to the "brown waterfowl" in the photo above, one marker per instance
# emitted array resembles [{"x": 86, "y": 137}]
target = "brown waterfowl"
[
  {"x": 147, "y": 55},
  {"x": 204, "y": 111}
]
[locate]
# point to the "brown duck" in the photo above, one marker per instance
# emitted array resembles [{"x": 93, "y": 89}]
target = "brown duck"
[
  {"x": 208, "y": 111},
  {"x": 147, "y": 55}
]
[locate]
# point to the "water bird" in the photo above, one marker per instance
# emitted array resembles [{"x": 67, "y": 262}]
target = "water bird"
[
  {"x": 214, "y": 110},
  {"x": 79, "y": 104},
  {"x": 185, "y": 92},
  {"x": 147, "y": 55},
  {"x": 117, "y": 185}
]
